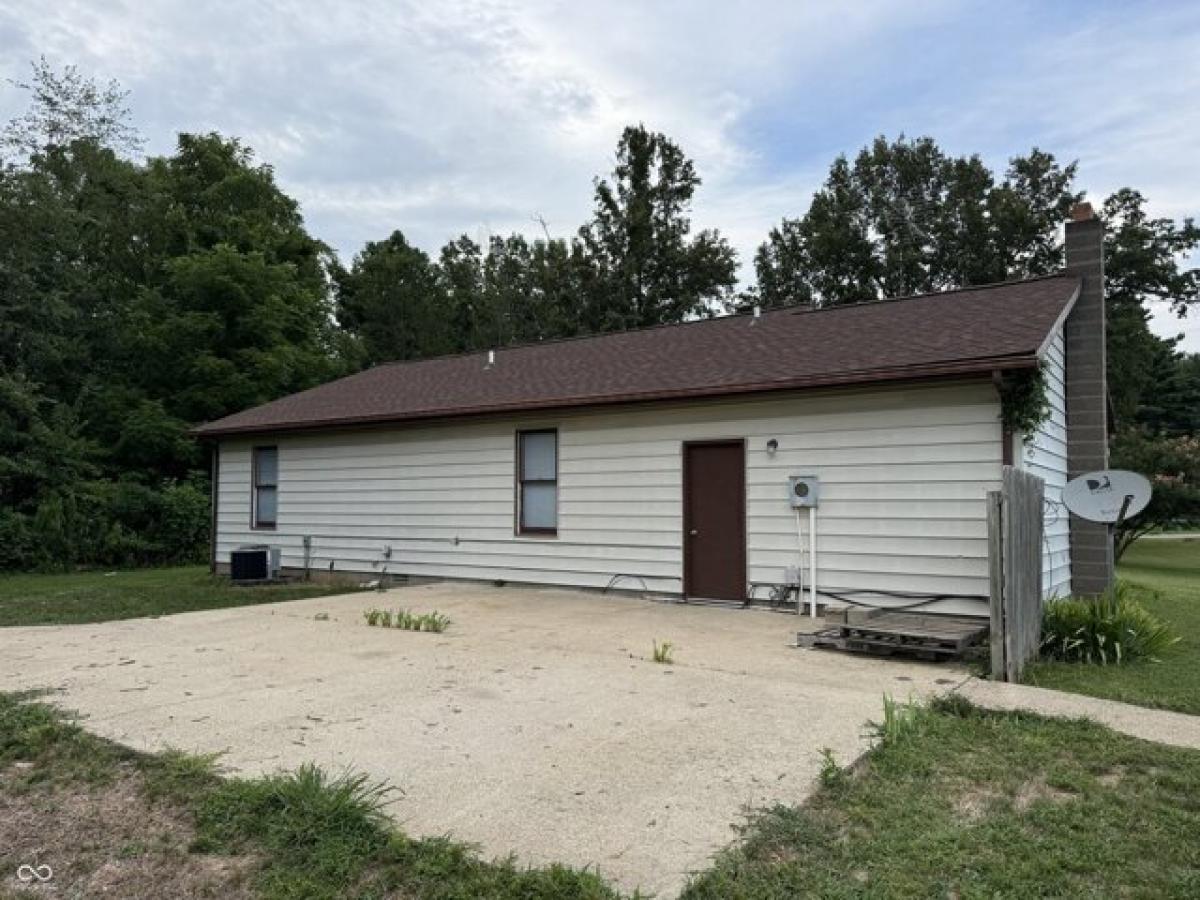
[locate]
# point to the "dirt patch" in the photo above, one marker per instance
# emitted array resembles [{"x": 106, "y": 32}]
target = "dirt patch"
[
  {"x": 1037, "y": 790},
  {"x": 972, "y": 802},
  {"x": 107, "y": 840}
]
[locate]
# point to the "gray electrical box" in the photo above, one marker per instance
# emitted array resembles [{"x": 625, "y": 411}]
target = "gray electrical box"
[{"x": 804, "y": 490}]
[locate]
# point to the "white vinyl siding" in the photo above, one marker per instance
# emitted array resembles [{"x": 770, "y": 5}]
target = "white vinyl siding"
[
  {"x": 1046, "y": 456},
  {"x": 904, "y": 471}
]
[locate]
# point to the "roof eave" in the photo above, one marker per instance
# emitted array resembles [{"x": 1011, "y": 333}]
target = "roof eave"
[
  {"x": 957, "y": 368},
  {"x": 1061, "y": 321}
]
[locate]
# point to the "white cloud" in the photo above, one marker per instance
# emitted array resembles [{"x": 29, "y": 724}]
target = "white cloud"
[{"x": 473, "y": 115}]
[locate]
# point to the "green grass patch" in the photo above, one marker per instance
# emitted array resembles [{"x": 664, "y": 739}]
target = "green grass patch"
[
  {"x": 63, "y": 751},
  {"x": 664, "y": 653},
  {"x": 1170, "y": 570},
  {"x": 965, "y": 803},
  {"x": 307, "y": 834},
  {"x": 79, "y": 597},
  {"x": 407, "y": 620}
]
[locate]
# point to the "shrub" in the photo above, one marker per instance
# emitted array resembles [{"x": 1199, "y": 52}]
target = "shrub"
[
  {"x": 1109, "y": 630},
  {"x": 18, "y": 544},
  {"x": 183, "y": 532},
  {"x": 108, "y": 523}
]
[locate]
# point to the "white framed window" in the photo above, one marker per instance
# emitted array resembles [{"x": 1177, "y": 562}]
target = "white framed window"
[
  {"x": 264, "y": 496},
  {"x": 537, "y": 482}
]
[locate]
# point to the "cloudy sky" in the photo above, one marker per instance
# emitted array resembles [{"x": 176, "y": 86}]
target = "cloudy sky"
[{"x": 441, "y": 118}]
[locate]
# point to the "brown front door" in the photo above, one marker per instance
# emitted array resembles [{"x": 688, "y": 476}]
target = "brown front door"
[{"x": 714, "y": 520}]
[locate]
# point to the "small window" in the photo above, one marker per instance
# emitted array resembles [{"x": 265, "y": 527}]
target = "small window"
[
  {"x": 265, "y": 499},
  {"x": 537, "y": 482}
]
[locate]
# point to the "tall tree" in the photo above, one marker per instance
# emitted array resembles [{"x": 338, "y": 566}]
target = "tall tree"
[
  {"x": 1144, "y": 262},
  {"x": 514, "y": 291},
  {"x": 392, "y": 300},
  {"x": 136, "y": 299},
  {"x": 647, "y": 265},
  {"x": 906, "y": 218},
  {"x": 66, "y": 106}
]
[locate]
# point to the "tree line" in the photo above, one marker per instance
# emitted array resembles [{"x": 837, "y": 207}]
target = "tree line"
[{"x": 140, "y": 296}]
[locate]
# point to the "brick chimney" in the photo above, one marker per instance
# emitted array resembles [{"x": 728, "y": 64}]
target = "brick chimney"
[{"x": 1087, "y": 394}]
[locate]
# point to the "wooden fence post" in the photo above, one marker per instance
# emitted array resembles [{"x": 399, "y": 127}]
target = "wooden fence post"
[
  {"x": 1015, "y": 572},
  {"x": 996, "y": 581}
]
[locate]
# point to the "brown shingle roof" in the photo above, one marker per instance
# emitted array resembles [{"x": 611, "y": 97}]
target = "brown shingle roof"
[{"x": 970, "y": 331}]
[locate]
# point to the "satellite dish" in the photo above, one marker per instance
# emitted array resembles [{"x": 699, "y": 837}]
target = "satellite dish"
[{"x": 1100, "y": 496}]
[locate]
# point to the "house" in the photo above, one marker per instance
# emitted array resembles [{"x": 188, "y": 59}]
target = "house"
[{"x": 659, "y": 459}]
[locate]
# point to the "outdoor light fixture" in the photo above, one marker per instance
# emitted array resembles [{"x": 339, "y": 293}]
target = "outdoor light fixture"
[{"x": 772, "y": 446}]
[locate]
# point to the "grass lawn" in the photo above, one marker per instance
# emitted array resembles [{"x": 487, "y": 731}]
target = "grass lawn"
[
  {"x": 1171, "y": 568},
  {"x": 111, "y": 821},
  {"x": 953, "y": 802},
  {"x": 975, "y": 804},
  {"x": 100, "y": 596}
]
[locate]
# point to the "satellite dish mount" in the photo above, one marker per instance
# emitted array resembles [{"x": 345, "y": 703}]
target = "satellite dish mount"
[{"x": 1110, "y": 496}]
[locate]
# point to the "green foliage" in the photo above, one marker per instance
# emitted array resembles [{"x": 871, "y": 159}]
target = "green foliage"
[
  {"x": 905, "y": 218},
  {"x": 1144, "y": 261},
  {"x": 306, "y": 834},
  {"x": 407, "y": 621},
  {"x": 980, "y": 804},
  {"x": 317, "y": 830},
  {"x": 67, "y": 106},
  {"x": 512, "y": 291},
  {"x": 1173, "y": 466},
  {"x": 139, "y": 298},
  {"x": 33, "y": 732},
  {"x": 635, "y": 263},
  {"x": 663, "y": 653},
  {"x": 900, "y": 721},
  {"x": 1024, "y": 404},
  {"x": 832, "y": 776},
  {"x": 391, "y": 301},
  {"x": 645, "y": 267},
  {"x": 1112, "y": 629},
  {"x": 1167, "y": 576},
  {"x": 179, "y": 776}
]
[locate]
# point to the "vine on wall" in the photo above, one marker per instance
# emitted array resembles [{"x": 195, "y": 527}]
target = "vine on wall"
[{"x": 1024, "y": 405}]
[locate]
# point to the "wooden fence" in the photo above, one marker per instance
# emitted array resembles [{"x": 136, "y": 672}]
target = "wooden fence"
[{"x": 1015, "y": 556}]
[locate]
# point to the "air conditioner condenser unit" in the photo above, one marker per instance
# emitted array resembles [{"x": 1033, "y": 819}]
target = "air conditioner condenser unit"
[{"x": 254, "y": 562}]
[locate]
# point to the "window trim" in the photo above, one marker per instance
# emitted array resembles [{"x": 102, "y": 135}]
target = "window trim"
[
  {"x": 255, "y": 524},
  {"x": 519, "y": 525}
]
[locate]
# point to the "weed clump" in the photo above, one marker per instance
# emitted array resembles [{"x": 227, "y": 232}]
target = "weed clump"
[
  {"x": 407, "y": 621},
  {"x": 663, "y": 652}
]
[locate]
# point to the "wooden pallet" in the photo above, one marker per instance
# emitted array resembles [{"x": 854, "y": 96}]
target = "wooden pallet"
[{"x": 888, "y": 633}]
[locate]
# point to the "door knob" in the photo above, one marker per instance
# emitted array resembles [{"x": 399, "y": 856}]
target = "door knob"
[{"x": 693, "y": 532}]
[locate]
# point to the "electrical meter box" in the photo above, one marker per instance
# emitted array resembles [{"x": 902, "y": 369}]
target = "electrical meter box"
[{"x": 804, "y": 490}]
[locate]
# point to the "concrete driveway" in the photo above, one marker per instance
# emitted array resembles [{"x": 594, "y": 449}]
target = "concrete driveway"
[{"x": 535, "y": 725}]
